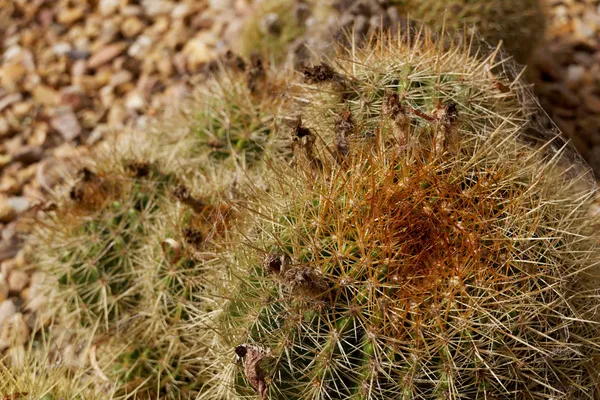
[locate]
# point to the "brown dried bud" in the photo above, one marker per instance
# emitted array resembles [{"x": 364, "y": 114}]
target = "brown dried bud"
[
  {"x": 305, "y": 281},
  {"x": 256, "y": 74},
  {"x": 319, "y": 73},
  {"x": 392, "y": 106},
  {"x": 139, "y": 169},
  {"x": 234, "y": 61},
  {"x": 277, "y": 262},
  {"x": 193, "y": 237}
]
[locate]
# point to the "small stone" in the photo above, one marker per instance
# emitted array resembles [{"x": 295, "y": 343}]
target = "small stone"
[
  {"x": 22, "y": 109},
  {"x": 132, "y": 26},
  {"x": 19, "y": 204},
  {"x": 28, "y": 155},
  {"x": 134, "y": 101},
  {"x": 73, "y": 97},
  {"x": 197, "y": 53},
  {"x": 17, "y": 281},
  {"x": 65, "y": 122},
  {"x": 120, "y": 78},
  {"x": 61, "y": 48},
  {"x": 4, "y": 127},
  {"x": 78, "y": 69},
  {"x": 70, "y": 15},
  {"x": 14, "y": 331},
  {"x": 7, "y": 310},
  {"x": 575, "y": 74},
  {"x": 3, "y": 289},
  {"x": 45, "y": 95},
  {"x": 117, "y": 115},
  {"x": 154, "y": 8},
  {"x": 9, "y": 185},
  {"x": 108, "y": 7},
  {"x": 10, "y": 99},
  {"x": 9, "y": 248},
  {"x": 181, "y": 10},
  {"x": 106, "y": 54},
  {"x": 7, "y": 213},
  {"x": 140, "y": 47},
  {"x": 77, "y": 55},
  {"x": 5, "y": 159}
]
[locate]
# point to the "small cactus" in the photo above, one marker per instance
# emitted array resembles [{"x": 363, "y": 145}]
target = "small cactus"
[
  {"x": 416, "y": 247},
  {"x": 275, "y": 29},
  {"x": 237, "y": 113},
  {"x": 91, "y": 242},
  {"x": 273, "y": 26},
  {"x": 519, "y": 24},
  {"x": 35, "y": 373}
]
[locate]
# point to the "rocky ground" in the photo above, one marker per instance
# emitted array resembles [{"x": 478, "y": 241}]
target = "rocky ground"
[
  {"x": 74, "y": 72},
  {"x": 566, "y": 73}
]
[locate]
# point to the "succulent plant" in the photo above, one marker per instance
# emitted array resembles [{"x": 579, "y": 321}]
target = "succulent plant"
[
  {"x": 36, "y": 372},
  {"x": 415, "y": 247},
  {"x": 273, "y": 26},
  {"x": 275, "y": 29},
  {"x": 518, "y": 24},
  {"x": 91, "y": 243}
]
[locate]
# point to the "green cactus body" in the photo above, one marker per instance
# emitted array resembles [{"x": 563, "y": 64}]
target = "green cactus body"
[
  {"x": 518, "y": 24},
  {"x": 415, "y": 248}
]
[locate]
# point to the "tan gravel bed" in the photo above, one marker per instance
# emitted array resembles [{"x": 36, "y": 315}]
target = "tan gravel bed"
[{"x": 566, "y": 73}]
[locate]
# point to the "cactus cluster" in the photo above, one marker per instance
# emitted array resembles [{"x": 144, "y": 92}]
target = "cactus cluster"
[
  {"x": 370, "y": 228},
  {"x": 128, "y": 250}
]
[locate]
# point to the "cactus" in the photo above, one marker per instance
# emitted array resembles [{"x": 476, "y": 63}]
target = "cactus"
[
  {"x": 131, "y": 245},
  {"x": 518, "y": 24},
  {"x": 91, "y": 243},
  {"x": 415, "y": 248},
  {"x": 273, "y": 26},
  {"x": 37, "y": 372}
]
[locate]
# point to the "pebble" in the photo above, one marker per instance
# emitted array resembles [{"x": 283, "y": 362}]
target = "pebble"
[
  {"x": 106, "y": 54},
  {"x": 108, "y": 7},
  {"x": 27, "y": 155},
  {"x": 7, "y": 310},
  {"x": 66, "y": 123},
  {"x": 45, "y": 95},
  {"x": 9, "y": 248},
  {"x": 17, "y": 281},
  {"x": 19, "y": 204},
  {"x": 14, "y": 331},
  {"x": 134, "y": 101},
  {"x": 7, "y": 213},
  {"x": 3, "y": 289},
  {"x": 70, "y": 15},
  {"x": 140, "y": 47},
  {"x": 132, "y": 26}
]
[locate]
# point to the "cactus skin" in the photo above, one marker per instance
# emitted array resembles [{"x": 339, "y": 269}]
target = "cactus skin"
[
  {"x": 519, "y": 24},
  {"x": 416, "y": 248}
]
